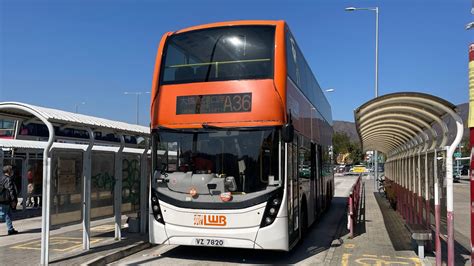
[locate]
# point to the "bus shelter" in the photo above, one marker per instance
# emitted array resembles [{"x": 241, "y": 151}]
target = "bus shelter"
[
  {"x": 418, "y": 133},
  {"x": 90, "y": 167}
]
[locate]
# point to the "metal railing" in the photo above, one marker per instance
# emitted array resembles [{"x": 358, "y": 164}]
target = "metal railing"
[{"x": 353, "y": 208}]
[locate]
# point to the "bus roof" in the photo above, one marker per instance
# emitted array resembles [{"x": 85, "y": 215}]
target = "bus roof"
[{"x": 231, "y": 23}]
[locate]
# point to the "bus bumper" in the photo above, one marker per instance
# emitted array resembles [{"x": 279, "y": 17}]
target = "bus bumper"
[{"x": 273, "y": 237}]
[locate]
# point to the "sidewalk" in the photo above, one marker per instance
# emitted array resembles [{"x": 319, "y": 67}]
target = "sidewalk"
[
  {"x": 380, "y": 236},
  {"x": 65, "y": 246}
]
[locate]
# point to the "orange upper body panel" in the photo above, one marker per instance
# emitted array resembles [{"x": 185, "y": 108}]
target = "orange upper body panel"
[
  {"x": 266, "y": 108},
  {"x": 268, "y": 95}
]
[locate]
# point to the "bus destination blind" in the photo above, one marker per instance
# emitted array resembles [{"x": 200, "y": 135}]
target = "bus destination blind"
[{"x": 214, "y": 103}]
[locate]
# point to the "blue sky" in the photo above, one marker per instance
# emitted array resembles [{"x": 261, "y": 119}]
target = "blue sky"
[{"x": 60, "y": 53}]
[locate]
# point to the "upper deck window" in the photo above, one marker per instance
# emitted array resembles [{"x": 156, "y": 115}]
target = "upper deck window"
[{"x": 225, "y": 53}]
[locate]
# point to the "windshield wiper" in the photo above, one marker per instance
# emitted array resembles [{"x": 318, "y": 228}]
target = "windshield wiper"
[{"x": 212, "y": 58}]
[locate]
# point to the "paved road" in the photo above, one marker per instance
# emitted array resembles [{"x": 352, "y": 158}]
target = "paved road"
[{"x": 313, "y": 250}]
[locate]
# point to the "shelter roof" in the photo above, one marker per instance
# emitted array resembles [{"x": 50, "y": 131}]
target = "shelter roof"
[
  {"x": 391, "y": 121},
  {"x": 69, "y": 118}
]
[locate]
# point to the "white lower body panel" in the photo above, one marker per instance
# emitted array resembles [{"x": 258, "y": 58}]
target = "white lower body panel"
[{"x": 274, "y": 236}]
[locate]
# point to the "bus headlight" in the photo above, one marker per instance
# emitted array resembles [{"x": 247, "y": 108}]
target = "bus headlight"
[{"x": 271, "y": 211}]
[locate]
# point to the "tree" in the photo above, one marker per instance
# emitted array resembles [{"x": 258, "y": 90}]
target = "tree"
[
  {"x": 343, "y": 145},
  {"x": 356, "y": 154}
]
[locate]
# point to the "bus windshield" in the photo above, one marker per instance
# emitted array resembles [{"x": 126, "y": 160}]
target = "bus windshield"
[
  {"x": 233, "y": 161},
  {"x": 224, "y": 53}
]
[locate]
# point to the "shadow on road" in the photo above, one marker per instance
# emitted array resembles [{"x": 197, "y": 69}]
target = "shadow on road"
[
  {"x": 360, "y": 227},
  {"x": 318, "y": 239}
]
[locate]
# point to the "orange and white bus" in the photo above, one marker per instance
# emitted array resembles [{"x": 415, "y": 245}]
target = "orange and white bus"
[{"x": 241, "y": 138}]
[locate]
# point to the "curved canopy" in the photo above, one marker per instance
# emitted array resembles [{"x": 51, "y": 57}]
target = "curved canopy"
[
  {"x": 387, "y": 122},
  {"x": 17, "y": 109},
  {"x": 407, "y": 126}
]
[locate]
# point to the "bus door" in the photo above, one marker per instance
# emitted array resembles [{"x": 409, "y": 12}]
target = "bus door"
[
  {"x": 292, "y": 190},
  {"x": 319, "y": 178},
  {"x": 313, "y": 178}
]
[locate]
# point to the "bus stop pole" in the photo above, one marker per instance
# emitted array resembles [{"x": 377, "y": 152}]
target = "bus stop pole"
[
  {"x": 24, "y": 179},
  {"x": 143, "y": 191},
  {"x": 449, "y": 185},
  {"x": 118, "y": 190},
  {"x": 46, "y": 198},
  {"x": 471, "y": 140},
  {"x": 437, "y": 211},
  {"x": 86, "y": 196}
]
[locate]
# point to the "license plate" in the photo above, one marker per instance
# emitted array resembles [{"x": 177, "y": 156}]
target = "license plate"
[{"x": 209, "y": 242}]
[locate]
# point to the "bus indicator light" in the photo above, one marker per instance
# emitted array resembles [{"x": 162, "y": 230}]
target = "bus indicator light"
[
  {"x": 226, "y": 196},
  {"x": 193, "y": 192}
]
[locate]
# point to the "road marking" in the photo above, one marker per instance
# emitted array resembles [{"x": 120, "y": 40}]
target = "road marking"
[
  {"x": 345, "y": 259},
  {"x": 57, "y": 243},
  {"x": 382, "y": 260},
  {"x": 349, "y": 246},
  {"x": 378, "y": 262}
]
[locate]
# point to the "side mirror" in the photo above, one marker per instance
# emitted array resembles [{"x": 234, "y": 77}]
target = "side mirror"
[{"x": 287, "y": 132}]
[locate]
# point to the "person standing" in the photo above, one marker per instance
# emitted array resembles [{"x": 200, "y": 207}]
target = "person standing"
[{"x": 8, "y": 198}]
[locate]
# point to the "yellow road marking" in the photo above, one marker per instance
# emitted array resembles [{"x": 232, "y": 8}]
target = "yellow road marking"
[
  {"x": 349, "y": 246},
  {"x": 57, "y": 241},
  {"x": 345, "y": 259},
  {"x": 379, "y": 260},
  {"x": 104, "y": 228}
]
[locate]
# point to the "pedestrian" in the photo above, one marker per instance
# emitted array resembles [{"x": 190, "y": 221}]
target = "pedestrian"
[
  {"x": 30, "y": 188},
  {"x": 38, "y": 185},
  {"x": 8, "y": 198}
]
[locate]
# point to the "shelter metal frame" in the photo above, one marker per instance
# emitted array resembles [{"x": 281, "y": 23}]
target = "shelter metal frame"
[
  {"x": 403, "y": 127},
  {"x": 53, "y": 117}
]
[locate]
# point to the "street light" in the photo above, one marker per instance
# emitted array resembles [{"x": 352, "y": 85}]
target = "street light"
[
  {"x": 330, "y": 90},
  {"x": 137, "y": 93},
  {"x": 376, "y": 9},
  {"x": 76, "y": 106},
  {"x": 470, "y": 26}
]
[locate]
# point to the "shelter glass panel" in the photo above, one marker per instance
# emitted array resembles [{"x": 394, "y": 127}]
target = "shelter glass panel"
[
  {"x": 131, "y": 178},
  {"x": 34, "y": 177},
  {"x": 66, "y": 187},
  {"x": 102, "y": 184}
]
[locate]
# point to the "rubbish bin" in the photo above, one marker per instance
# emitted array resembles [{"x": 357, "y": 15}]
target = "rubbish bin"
[{"x": 133, "y": 224}]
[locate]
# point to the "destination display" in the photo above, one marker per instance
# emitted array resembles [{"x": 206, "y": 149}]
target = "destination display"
[{"x": 214, "y": 103}]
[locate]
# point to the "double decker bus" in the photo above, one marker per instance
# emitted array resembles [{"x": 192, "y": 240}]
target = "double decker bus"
[{"x": 241, "y": 138}]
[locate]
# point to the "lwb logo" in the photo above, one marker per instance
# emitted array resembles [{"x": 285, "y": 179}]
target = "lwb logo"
[{"x": 210, "y": 220}]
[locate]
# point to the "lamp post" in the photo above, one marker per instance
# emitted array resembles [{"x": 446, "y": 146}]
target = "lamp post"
[
  {"x": 76, "y": 106},
  {"x": 376, "y": 9},
  {"x": 470, "y": 26},
  {"x": 137, "y": 94}
]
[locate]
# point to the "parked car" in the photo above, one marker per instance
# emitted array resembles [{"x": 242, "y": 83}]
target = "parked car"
[{"x": 359, "y": 169}]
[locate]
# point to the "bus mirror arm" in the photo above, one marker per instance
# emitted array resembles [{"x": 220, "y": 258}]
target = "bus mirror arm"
[{"x": 287, "y": 132}]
